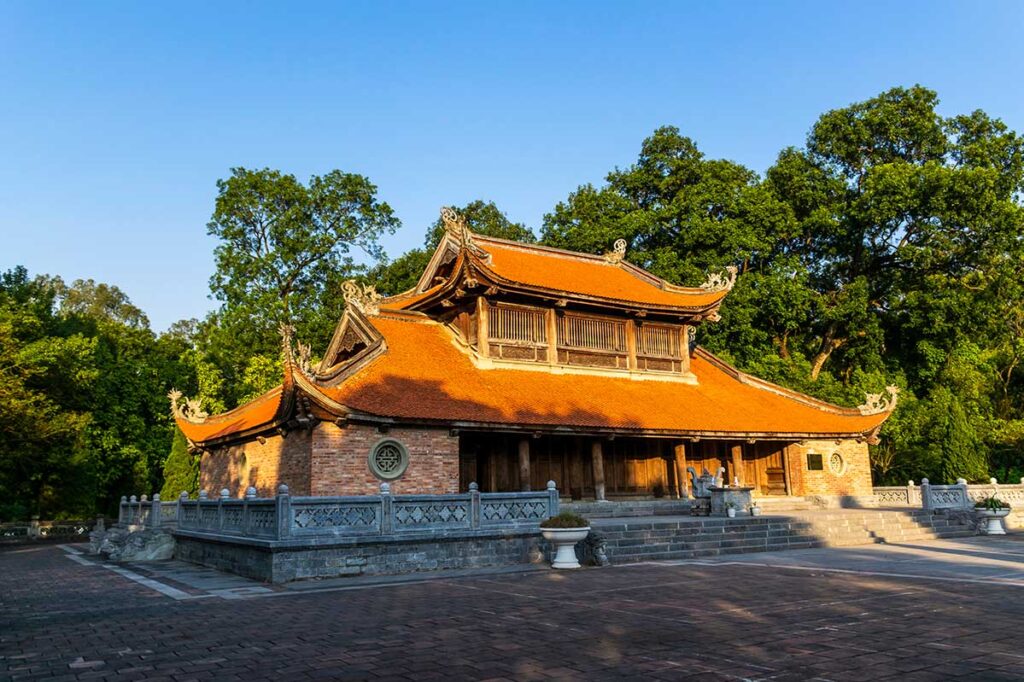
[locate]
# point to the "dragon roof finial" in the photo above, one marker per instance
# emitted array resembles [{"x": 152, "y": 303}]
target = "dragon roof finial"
[
  {"x": 721, "y": 281},
  {"x": 365, "y": 298},
  {"x": 877, "y": 403},
  {"x": 190, "y": 411}
]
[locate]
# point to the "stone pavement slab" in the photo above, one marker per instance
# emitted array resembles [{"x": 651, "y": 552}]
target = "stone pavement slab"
[
  {"x": 983, "y": 559},
  {"x": 819, "y": 618}
]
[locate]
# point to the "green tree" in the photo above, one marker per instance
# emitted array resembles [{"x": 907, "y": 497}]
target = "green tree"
[
  {"x": 285, "y": 247},
  {"x": 181, "y": 469}
]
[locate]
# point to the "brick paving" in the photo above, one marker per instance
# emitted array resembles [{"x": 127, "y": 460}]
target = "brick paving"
[{"x": 60, "y": 619}]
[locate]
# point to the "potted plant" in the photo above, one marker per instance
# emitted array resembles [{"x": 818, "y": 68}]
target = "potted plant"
[
  {"x": 992, "y": 511},
  {"x": 754, "y": 509},
  {"x": 564, "y": 531},
  {"x": 730, "y": 509}
]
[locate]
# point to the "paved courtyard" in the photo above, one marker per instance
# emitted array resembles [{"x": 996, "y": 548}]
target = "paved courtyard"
[{"x": 932, "y": 611}]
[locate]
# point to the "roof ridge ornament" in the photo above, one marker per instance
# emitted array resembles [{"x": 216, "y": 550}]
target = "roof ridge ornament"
[
  {"x": 191, "y": 411},
  {"x": 876, "y": 403},
  {"x": 721, "y": 281},
  {"x": 457, "y": 227},
  {"x": 302, "y": 356},
  {"x": 365, "y": 298},
  {"x": 617, "y": 253}
]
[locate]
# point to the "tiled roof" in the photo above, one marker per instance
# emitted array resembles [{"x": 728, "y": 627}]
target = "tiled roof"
[
  {"x": 254, "y": 414},
  {"x": 586, "y": 275},
  {"x": 424, "y": 375}
]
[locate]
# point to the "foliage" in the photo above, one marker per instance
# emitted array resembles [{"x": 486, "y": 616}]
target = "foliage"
[
  {"x": 83, "y": 417},
  {"x": 284, "y": 250},
  {"x": 181, "y": 469},
  {"x": 992, "y": 503},
  {"x": 565, "y": 520},
  {"x": 886, "y": 250}
]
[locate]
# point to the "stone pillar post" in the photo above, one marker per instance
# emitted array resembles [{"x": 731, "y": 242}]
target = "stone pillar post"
[
  {"x": 552, "y": 499},
  {"x": 386, "y": 521},
  {"x": 964, "y": 497},
  {"x": 597, "y": 459},
  {"x": 155, "y": 512},
  {"x": 33, "y": 527},
  {"x": 680, "y": 471},
  {"x": 284, "y": 512},
  {"x": 926, "y": 494},
  {"x": 474, "y": 505},
  {"x": 182, "y": 499},
  {"x": 524, "y": 464},
  {"x": 250, "y": 494},
  {"x": 122, "y": 512}
]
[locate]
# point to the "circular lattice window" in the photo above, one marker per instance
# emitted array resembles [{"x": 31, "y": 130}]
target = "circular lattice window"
[
  {"x": 388, "y": 459},
  {"x": 836, "y": 464}
]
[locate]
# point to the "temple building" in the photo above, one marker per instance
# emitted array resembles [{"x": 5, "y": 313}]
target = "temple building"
[{"x": 513, "y": 364}]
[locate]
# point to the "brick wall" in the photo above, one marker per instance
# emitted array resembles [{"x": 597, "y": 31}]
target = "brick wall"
[
  {"x": 855, "y": 479},
  {"x": 279, "y": 459},
  {"x": 340, "y": 460}
]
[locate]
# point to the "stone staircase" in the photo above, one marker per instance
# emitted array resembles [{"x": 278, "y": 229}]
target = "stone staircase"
[
  {"x": 684, "y": 537},
  {"x": 627, "y": 508}
]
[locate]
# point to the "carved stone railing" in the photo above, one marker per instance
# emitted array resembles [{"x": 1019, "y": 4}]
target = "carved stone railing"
[
  {"x": 23, "y": 531},
  {"x": 1013, "y": 493},
  {"x": 936, "y": 497},
  {"x": 283, "y": 516},
  {"x": 148, "y": 513},
  {"x": 908, "y": 495}
]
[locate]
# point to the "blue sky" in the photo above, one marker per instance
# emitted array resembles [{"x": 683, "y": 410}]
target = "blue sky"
[{"x": 116, "y": 119}]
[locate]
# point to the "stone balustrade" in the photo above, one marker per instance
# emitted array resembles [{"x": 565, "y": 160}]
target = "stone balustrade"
[
  {"x": 146, "y": 512},
  {"x": 959, "y": 495},
  {"x": 285, "y": 517}
]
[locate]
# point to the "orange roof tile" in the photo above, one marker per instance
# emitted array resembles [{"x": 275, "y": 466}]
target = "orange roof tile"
[
  {"x": 423, "y": 375},
  {"x": 587, "y": 275},
  {"x": 253, "y": 414}
]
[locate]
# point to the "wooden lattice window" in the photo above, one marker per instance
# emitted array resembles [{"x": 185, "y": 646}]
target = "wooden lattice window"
[
  {"x": 658, "y": 341},
  {"x": 592, "y": 333},
  {"x": 516, "y": 325}
]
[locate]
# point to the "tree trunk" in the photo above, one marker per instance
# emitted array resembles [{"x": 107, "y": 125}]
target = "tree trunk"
[{"x": 828, "y": 346}]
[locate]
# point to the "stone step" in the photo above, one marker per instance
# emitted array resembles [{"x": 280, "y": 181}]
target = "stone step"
[{"x": 652, "y": 539}]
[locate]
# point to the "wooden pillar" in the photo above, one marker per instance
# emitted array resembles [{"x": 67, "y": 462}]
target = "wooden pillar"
[
  {"x": 577, "y": 480},
  {"x": 680, "y": 470},
  {"x": 737, "y": 463},
  {"x": 597, "y": 458},
  {"x": 684, "y": 338},
  {"x": 786, "y": 469},
  {"x": 631, "y": 328},
  {"x": 551, "y": 320},
  {"x": 496, "y": 457},
  {"x": 524, "y": 464},
  {"x": 482, "y": 327}
]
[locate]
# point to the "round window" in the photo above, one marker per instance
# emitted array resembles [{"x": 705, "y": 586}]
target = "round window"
[
  {"x": 388, "y": 459},
  {"x": 836, "y": 464}
]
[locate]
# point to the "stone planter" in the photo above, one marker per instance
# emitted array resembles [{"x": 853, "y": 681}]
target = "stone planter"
[
  {"x": 564, "y": 540},
  {"x": 731, "y": 512},
  {"x": 992, "y": 520},
  {"x": 755, "y": 510}
]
